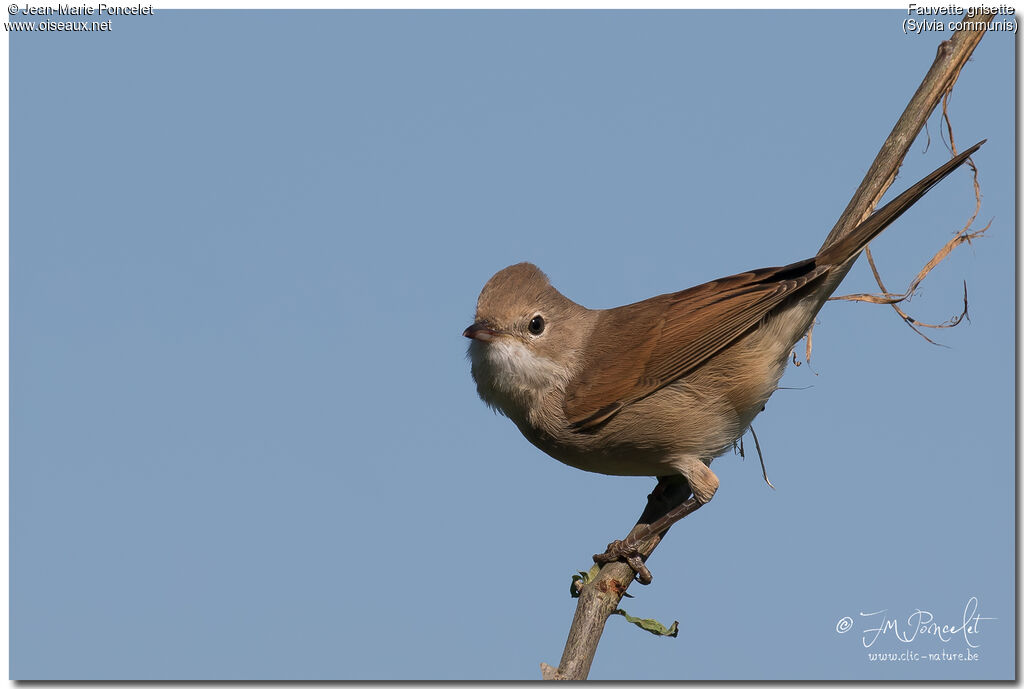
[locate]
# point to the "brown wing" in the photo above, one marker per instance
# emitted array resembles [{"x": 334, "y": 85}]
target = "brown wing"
[{"x": 679, "y": 332}]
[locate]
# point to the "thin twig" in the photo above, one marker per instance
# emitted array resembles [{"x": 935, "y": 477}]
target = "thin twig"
[{"x": 764, "y": 472}]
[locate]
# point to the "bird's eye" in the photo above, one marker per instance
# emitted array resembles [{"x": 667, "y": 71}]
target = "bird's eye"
[{"x": 537, "y": 325}]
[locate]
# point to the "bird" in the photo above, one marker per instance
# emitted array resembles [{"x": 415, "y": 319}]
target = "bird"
[{"x": 663, "y": 386}]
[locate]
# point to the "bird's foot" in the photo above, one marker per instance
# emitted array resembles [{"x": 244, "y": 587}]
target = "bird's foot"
[{"x": 624, "y": 550}]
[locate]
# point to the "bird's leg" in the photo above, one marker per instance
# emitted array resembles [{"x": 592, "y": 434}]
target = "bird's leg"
[{"x": 671, "y": 500}]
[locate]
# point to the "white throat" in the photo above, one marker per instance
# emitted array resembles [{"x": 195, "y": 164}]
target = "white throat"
[{"x": 511, "y": 378}]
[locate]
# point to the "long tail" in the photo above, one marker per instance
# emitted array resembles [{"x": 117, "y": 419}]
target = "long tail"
[{"x": 851, "y": 244}]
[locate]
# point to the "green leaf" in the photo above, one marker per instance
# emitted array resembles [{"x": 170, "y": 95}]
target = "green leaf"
[
  {"x": 653, "y": 626},
  {"x": 582, "y": 579}
]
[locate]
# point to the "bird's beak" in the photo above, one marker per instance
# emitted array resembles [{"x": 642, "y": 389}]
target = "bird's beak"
[{"x": 480, "y": 331}]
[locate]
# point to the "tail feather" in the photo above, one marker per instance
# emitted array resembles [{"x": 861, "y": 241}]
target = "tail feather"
[{"x": 851, "y": 244}]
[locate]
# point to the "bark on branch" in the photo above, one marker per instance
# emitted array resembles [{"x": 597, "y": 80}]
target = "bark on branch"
[{"x": 601, "y": 597}]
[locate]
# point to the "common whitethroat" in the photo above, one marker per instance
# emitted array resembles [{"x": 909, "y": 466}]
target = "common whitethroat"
[{"x": 663, "y": 386}]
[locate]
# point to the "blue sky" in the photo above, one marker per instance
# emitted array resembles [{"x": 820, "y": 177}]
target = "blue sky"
[{"x": 244, "y": 439}]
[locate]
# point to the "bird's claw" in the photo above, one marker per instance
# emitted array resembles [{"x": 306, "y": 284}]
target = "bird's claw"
[{"x": 620, "y": 550}]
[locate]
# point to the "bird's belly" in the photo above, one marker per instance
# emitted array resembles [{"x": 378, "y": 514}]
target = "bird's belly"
[
  {"x": 699, "y": 416},
  {"x": 647, "y": 438}
]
